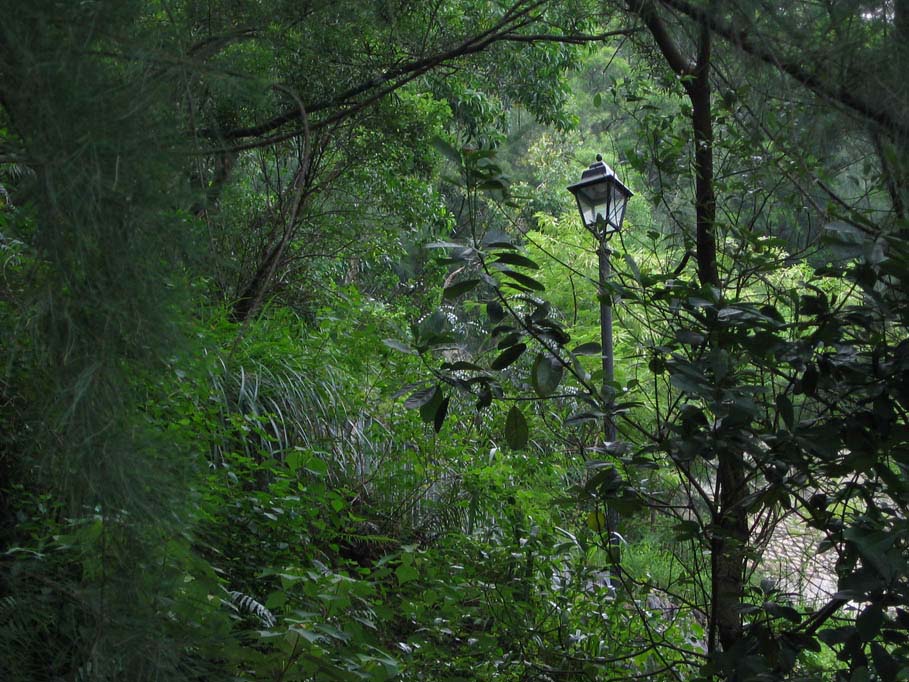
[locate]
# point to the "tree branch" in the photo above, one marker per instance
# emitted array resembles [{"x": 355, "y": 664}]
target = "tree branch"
[
  {"x": 812, "y": 81},
  {"x": 517, "y": 17},
  {"x": 577, "y": 39},
  {"x": 676, "y": 60}
]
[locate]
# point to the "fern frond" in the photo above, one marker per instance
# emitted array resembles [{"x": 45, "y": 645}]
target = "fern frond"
[
  {"x": 13, "y": 619},
  {"x": 366, "y": 539}
]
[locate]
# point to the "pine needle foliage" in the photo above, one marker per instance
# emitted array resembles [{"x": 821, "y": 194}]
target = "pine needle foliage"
[
  {"x": 100, "y": 224},
  {"x": 100, "y": 231}
]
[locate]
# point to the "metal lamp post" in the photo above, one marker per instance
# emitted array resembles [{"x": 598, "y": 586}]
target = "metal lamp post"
[{"x": 602, "y": 198}]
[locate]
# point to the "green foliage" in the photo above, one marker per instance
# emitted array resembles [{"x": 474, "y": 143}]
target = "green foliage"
[
  {"x": 770, "y": 371},
  {"x": 300, "y": 363}
]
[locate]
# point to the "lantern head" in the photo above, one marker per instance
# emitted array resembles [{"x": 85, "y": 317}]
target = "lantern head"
[{"x": 601, "y": 198}]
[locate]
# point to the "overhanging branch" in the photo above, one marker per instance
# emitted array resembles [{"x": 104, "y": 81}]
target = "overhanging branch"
[
  {"x": 521, "y": 15},
  {"x": 513, "y": 20},
  {"x": 742, "y": 40}
]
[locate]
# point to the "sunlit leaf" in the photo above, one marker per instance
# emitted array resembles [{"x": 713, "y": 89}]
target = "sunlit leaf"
[
  {"x": 633, "y": 266},
  {"x": 399, "y": 346}
]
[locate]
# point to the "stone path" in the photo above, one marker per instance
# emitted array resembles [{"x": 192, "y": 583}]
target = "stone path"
[{"x": 791, "y": 558}]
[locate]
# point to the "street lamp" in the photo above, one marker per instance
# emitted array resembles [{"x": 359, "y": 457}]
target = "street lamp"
[{"x": 602, "y": 198}]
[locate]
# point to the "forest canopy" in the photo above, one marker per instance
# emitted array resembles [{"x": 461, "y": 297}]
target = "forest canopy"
[{"x": 312, "y": 371}]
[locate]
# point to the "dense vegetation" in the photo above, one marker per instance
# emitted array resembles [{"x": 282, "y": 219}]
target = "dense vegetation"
[{"x": 301, "y": 367}]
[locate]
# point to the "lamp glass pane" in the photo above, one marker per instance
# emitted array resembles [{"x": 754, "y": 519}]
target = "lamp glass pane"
[
  {"x": 617, "y": 206},
  {"x": 594, "y": 202}
]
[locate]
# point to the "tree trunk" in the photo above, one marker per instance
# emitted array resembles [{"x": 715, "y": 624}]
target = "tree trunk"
[
  {"x": 729, "y": 537},
  {"x": 253, "y": 296},
  {"x": 705, "y": 199},
  {"x": 894, "y": 161}
]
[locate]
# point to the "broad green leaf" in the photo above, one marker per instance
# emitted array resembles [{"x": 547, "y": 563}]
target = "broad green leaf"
[
  {"x": 814, "y": 305},
  {"x": 497, "y": 239},
  {"x": 869, "y": 622},
  {"x": 508, "y": 356},
  {"x": 689, "y": 338},
  {"x": 770, "y": 312},
  {"x": 498, "y": 184},
  {"x": 604, "y": 479},
  {"x": 687, "y": 530},
  {"x": 546, "y": 374},
  {"x": 784, "y": 406},
  {"x": 298, "y": 458},
  {"x": 844, "y": 240},
  {"x": 441, "y": 413},
  {"x": 583, "y": 417},
  {"x": 591, "y": 348},
  {"x": 524, "y": 280},
  {"x": 516, "y": 433},
  {"x": 420, "y": 398},
  {"x": 307, "y": 634},
  {"x": 626, "y": 504},
  {"x": 332, "y": 632},
  {"x": 276, "y": 599},
  {"x": 406, "y": 573},
  {"x": 554, "y": 331},
  {"x": 809, "y": 381},
  {"x": 509, "y": 340},
  {"x": 428, "y": 409},
  {"x": 782, "y": 611},
  {"x": 500, "y": 244},
  {"x": 432, "y": 325},
  {"x": 516, "y": 259},
  {"x": 597, "y": 521},
  {"x": 459, "y": 288},
  {"x": 484, "y": 397},
  {"x": 517, "y": 287},
  {"x": 447, "y": 150},
  {"x": 876, "y": 549},
  {"x": 890, "y": 668}
]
